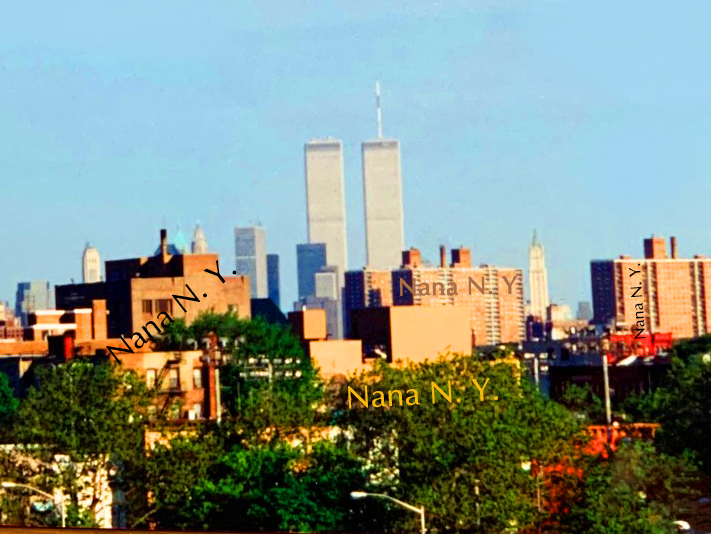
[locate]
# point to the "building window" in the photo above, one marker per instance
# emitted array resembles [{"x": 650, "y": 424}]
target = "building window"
[
  {"x": 164, "y": 305},
  {"x": 148, "y": 307},
  {"x": 173, "y": 379},
  {"x": 197, "y": 410},
  {"x": 150, "y": 377},
  {"x": 197, "y": 377}
]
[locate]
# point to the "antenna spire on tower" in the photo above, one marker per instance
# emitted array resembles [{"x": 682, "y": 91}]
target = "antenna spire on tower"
[{"x": 377, "y": 105}]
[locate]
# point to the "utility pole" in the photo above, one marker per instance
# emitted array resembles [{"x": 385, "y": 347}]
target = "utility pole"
[{"x": 606, "y": 380}]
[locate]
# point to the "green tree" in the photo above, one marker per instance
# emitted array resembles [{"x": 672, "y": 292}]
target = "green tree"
[
  {"x": 636, "y": 490},
  {"x": 276, "y": 487},
  {"x": 284, "y": 400},
  {"x": 173, "y": 469},
  {"x": 87, "y": 419},
  {"x": 439, "y": 454},
  {"x": 684, "y": 408},
  {"x": 8, "y": 404},
  {"x": 583, "y": 401}
]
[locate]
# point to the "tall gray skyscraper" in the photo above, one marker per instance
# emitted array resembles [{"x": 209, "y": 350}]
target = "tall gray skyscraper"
[
  {"x": 32, "y": 296},
  {"x": 91, "y": 265},
  {"x": 199, "y": 244},
  {"x": 273, "y": 279},
  {"x": 382, "y": 191},
  {"x": 325, "y": 200},
  {"x": 537, "y": 278},
  {"x": 251, "y": 258},
  {"x": 310, "y": 259},
  {"x": 584, "y": 311}
]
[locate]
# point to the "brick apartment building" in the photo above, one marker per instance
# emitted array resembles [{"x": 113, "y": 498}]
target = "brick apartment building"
[
  {"x": 675, "y": 293},
  {"x": 496, "y": 314},
  {"x": 136, "y": 290}
]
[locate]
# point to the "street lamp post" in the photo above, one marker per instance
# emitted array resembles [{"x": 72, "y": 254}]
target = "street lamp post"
[
  {"x": 420, "y": 510},
  {"x": 8, "y": 485}
]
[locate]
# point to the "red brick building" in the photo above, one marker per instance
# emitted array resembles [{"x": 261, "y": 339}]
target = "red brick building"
[{"x": 657, "y": 293}]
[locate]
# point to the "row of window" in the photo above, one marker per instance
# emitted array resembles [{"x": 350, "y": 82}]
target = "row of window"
[
  {"x": 174, "y": 378},
  {"x": 160, "y": 305},
  {"x": 175, "y": 411}
]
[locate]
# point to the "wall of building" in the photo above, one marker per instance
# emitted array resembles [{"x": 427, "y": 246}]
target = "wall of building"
[
  {"x": 338, "y": 357},
  {"x": 424, "y": 332}
]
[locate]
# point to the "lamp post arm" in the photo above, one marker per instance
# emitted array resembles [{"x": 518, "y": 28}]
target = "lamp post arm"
[
  {"x": 31, "y": 488},
  {"x": 398, "y": 501}
]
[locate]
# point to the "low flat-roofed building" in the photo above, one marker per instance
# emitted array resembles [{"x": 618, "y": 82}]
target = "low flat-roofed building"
[
  {"x": 412, "y": 333},
  {"x": 398, "y": 334}
]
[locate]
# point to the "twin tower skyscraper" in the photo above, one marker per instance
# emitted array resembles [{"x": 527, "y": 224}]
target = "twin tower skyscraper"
[{"x": 382, "y": 191}]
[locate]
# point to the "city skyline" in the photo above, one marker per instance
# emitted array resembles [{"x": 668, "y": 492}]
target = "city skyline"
[{"x": 179, "y": 124}]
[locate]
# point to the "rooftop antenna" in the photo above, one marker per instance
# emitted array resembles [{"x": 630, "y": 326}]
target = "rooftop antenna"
[{"x": 377, "y": 105}]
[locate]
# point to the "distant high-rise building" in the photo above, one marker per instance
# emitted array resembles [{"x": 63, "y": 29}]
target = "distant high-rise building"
[
  {"x": 584, "y": 311},
  {"x": 310, "y": 259},
  {"x": 538, "y": 278},
  {"x": 199, "y": 244},
  {"x": 251, "y": 258},
  {"x": 382, "y": 190},
  {"x": 325, "y": 200},
  {"x": 32, "y": 296},
  {"x": 91, "y": 265},
  {"x": 273, "y": 279},
  {"x": 179, "y": 241},
  {"x": 655, "y": 293},
  {"x": 494, "y": 295}
]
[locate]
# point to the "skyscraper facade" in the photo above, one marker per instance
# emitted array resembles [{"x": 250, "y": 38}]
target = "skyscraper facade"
[
  {"x": 251, "y": 258},
  {"x": 538, "y": 278},
  {"x": 273, "y": 279},
  {"x": 199, "y": 244},
  {"x": 32, "y": 296},
  {"x": 584, "y": 311},
  {"x": 493, "y": 294},
  {"x": 325, "y": 199},
  {"x": 653, "y": 294},
  {"x": 310, "y": 259},
  {"x": 382, "y": 191},
  {"x": 91, "y": 265}
]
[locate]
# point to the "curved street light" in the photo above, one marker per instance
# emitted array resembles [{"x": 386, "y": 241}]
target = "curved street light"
[
  {"x": 8, "y": 485},
  {"x": 420, "y": 510}
]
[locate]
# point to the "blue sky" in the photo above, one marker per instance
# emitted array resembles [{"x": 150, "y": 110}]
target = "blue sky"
[{"x": 588, "y": 121}]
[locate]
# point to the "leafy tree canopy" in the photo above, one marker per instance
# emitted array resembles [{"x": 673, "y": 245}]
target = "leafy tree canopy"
[{"x": 457, "y": 447}]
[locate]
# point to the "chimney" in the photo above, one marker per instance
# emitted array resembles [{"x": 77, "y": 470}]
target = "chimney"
[
  {"x": 411, "y": 259},
  {"x": 655, "y": 248},
  {"x": 461, "y": 257},
  {"x": 673, "y": 248},
  {"x": 442, "y": 256},
  {"x": 163, "y": 242}
]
